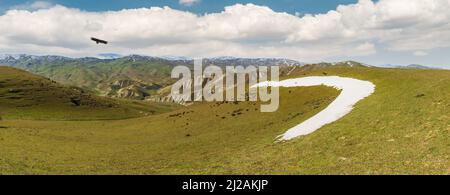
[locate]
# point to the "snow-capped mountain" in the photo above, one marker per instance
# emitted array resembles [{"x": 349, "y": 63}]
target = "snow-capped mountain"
[{"x": 219, "y": 61}]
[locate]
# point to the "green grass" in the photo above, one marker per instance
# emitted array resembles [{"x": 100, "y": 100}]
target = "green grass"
[
  {"x": 390, "y": 132},
  {"x": 97, "y": 76},
  {"x": 27, "y": 96}
]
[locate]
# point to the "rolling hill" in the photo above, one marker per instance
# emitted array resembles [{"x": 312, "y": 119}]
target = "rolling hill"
[
  {"x": 27, "y": 96},
  {"x": 130, "y": 77},
  {"x": 403, "y": 128}
]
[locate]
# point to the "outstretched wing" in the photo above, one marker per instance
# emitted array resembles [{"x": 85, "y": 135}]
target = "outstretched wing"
[{"x": 99, "y": 40}]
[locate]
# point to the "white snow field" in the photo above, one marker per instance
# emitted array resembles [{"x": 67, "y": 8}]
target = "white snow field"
[{"x": 353, "y": 90}]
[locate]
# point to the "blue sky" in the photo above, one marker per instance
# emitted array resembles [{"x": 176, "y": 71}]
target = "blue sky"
[{"x": 205, "y": 6}]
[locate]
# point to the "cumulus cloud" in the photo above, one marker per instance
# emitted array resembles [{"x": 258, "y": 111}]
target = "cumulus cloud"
[
  {"x": 240, "y": 30},
  {"x": 188, "y": 2},
  {"x": 420, "y": 53},
  {"x": 31, "y": 6}
]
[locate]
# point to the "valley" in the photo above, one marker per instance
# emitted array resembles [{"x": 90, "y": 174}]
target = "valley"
[{"x": 402, "y": 128}]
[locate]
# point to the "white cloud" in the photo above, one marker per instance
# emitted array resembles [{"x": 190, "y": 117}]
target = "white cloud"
[
  {"x": 365, "y": 49},
  {"x": 420, "y": 53},
  {"x": 31, "y": 6},
  {"x": 240, "y": 30},
  {"x": 188, "y": 2}
]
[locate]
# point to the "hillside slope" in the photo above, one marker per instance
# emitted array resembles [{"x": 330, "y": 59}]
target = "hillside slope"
[
  {"x": 98, "y": 75},
  {"x": 27, "y": 96},
  {"x": 403, "y": 128},
  {"x": 130, "y": 77}
]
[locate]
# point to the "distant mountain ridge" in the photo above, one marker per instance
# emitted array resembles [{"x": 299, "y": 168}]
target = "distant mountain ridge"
[
  {"x": 142, "y": 77},
  {"x": 133, "y": 77},
  {"x": 13, "y": 59},
  {"x": 411, "y": 66}
]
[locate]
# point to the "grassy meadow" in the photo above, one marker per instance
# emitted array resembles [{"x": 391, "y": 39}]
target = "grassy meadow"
[{"x": 403, "y": 128}]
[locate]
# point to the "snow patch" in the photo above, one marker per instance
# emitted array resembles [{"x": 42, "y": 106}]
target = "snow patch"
[{"x": 353, "y": 90}]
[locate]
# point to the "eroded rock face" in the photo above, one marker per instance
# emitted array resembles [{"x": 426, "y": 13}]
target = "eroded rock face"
[
  {"x": 130, "y": 89},
  {"x": 122, "y": 84},
  {"x": 131, "y": 92}
]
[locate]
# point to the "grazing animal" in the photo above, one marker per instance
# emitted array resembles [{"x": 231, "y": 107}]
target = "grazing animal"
[
  {"x": 2, "y": 127},
  {"x": 420, "y": 95}
]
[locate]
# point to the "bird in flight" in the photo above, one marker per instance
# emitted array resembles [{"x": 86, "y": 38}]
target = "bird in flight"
[{"x": 99, "y": 40}]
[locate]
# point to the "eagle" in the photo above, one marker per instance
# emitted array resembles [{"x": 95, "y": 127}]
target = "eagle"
[{"x": 99, "y": 41}]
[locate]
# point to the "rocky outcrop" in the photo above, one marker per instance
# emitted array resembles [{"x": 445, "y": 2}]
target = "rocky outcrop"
[
  {"x": 130, "y": 89},
  {"x": 131, "y": 92},
  {"x": 122, "y": 84}
]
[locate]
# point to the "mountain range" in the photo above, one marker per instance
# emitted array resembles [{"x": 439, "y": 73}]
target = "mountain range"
[
  {"x": 132, "y": 77},
  {"x": 140, "y": 77}
]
